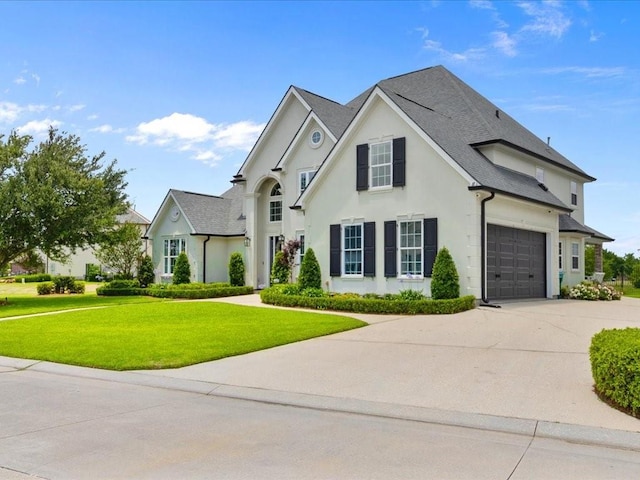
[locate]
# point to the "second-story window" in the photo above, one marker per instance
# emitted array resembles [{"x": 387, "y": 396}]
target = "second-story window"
[{"x": 574, "y": 193}]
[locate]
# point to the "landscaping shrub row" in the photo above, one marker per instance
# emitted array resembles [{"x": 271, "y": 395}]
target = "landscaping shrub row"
[
  {"x": 61, "y": 285},
  {"x": 615, "y": 366},
  {"x": 185, "y": 290},
  {"x": 33, "y": 278},
  {"x": 357, "y": 304}
]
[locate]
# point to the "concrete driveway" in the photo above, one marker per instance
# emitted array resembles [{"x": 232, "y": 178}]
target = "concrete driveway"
[{"x": 526, "y": 360}]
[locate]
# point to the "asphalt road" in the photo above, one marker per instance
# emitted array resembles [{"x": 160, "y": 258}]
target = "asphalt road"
[{"x": 56, "y": 426}]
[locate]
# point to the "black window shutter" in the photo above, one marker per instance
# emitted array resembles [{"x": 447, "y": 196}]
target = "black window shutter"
[
  {"x": 369, "y": 249},
  {"x": 390, "y": 269},
  {"x": 430, "y": 242},
  {"x": 399, "y": 163},
  {"x": 362, "y": 167},
  {"x": 334, "y": 251}
]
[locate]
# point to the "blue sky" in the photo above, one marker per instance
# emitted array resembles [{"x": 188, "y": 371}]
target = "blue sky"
[{"x": 179, "y": 92}]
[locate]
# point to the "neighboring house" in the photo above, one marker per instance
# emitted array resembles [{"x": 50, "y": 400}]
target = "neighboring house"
[
  {"x": 208, "y": 228},
  {"x": 377, "y": 186},
  {"x": 78, "y": 262}
]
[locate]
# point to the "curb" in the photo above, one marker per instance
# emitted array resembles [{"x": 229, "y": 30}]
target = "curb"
[{"x": 581, "y": 434}]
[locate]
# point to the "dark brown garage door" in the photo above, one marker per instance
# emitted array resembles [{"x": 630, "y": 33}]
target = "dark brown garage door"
[{"x": 515, "y": 263}]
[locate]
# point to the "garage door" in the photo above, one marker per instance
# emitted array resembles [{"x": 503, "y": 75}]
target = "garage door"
[{"x": 516, "y": 266}]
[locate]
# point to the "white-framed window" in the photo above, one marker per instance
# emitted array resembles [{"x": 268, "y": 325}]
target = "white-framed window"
[
  {"x": 172, "y": 248},
  {"x": 560, "y": 262},
  {"x": 575, "y": 256},
  {"x": 275, "y": 204},
  {"x": 380, "y": 161},
  {"x": 303, "y": 180},
  {"x": 316, "y": 138},
  {"x": 574, "y": 193},
  {"x": 540, "y": 174},
  {"x": 300, "y": 237},
  {"x": 352, "y": 254},
  {"x": 410, "y": 248}
]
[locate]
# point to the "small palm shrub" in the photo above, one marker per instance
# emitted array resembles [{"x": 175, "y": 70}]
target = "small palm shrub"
[
  {"x": 236, "y": 270},
  {"x": 280, "y": 269},
  {"x": 182, "y": 270},
  {"x": 444, "y": 281},
  {"x": 310, "y": 276},
  {"x": 145, "y": 272}
]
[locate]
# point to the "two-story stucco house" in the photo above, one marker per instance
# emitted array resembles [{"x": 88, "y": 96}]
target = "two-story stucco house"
[{"x": 415, "y": 163}]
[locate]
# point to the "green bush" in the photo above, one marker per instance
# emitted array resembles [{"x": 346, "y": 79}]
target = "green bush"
[
  {"x": 203, "y": 290},
  {"x": 45, "y": 288},
  {"x": 411, "y": 295},
  {"x": 93, "y": 273},
  {"x": 182, "y": 270},
  {"x": 77, "y": 287},
  {"x": 146, "y": 276},
  {"x": 594, "y": 291},
  {"x": 115, "y": 284},
  {"x": 636, "y": 283},
  {"x": 280, "y": 269},
  {"x": 121, "y": 288},
  {"x": 310, "y": 276},
  {"x": 444, "y": 280},
  {"x": 63, "y": 284},
  {"x": 236, "y": 270},
  {"x": 33, "y": 278},
  {"x": 615, "y": 366},
  {"x": 275, "y": 296}
]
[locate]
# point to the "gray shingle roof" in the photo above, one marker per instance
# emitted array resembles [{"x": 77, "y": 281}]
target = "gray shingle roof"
[
  {"x": 334, "y": 115},
  {"x": 213, "y": 215},
  {"x": 569, "y": 224},
  {"x": 133, "y": 217}
]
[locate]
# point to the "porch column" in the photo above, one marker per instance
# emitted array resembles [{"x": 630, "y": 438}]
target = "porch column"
[{"x": 597, "y": 250}]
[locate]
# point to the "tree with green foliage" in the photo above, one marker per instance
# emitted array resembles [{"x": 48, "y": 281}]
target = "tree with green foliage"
[
  {"x": 589, "y": 260},
  {"x": 53, "y": 197},
  {"x": 31, "y": 261},
  {"x": 236, "y": 270},
  {"x": 182, "y": 270},
  {"x": 310, "y": 275},
  {"x": 146, "y": 275},
  {"x": 444, "y": 279},
  {"x": 280, "y": 269},
  {"x": 121, "y": 251}
]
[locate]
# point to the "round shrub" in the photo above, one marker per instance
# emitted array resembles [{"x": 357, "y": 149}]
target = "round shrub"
[
  {"x": 182, "y": 270},
  {"x": 280, "y": 269},
  {"x": 236, "y": 270},
  {"x": 45, "y": 288},
  {"x": 615, "y": 366},
  {"x": 310, "y": 276},
  {"x": 444, "y": 280}
]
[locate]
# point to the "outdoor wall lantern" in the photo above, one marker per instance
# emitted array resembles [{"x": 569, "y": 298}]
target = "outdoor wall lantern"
[
  {"x": 247, "y": 241},
  {"x": 281, "y": 238}
]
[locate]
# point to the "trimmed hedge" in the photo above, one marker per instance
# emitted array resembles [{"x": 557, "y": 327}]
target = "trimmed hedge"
[
  {"x": 120, "y": 292},
  {"x": 213, "y": 291},
  {"x": 615, "y": 366},
  {"x": 368, "y": 305},
  {"x": 33, "y": 278}
]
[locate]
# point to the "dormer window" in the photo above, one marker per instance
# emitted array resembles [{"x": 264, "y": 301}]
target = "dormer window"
[{"x": 275, "y": 204}]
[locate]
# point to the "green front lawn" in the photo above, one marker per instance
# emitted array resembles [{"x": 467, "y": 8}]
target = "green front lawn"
[
  {"x": 27, "y": 305},
  {"x": 160, "y": 335},
  {"x": 631, "y": 292}
]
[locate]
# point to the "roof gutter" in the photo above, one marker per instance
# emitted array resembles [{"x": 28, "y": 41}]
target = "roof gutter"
[{"x": 519, "y": 197}]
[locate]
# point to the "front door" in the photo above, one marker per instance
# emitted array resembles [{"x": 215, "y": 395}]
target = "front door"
[{"x": 274, "y": 246}]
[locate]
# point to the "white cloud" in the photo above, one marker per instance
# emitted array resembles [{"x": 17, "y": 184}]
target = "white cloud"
[
  {"x": 189, "y": 133},
  {"x": 547, "y": 18},
  {"x": 76, "y": 108},
  {"x": 92, "y": 117},
  {"x": 36, "y": 77},
  {"x": 482, "y": 4},
  {"x": 589, "y": 72},
  {"x": 36, "y": 127},
  {"x": 20, "y": 81},
  {"x": 506, "y": 44},
  {"x": 106, "y": 128},
  {"x": 467, "y": 55},
  {"x": 595, "y": 36},
  {"x": 9, "y": 112}
]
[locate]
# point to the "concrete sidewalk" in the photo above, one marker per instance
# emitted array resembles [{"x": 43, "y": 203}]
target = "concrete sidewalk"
[{"x": 523, "y": 368}]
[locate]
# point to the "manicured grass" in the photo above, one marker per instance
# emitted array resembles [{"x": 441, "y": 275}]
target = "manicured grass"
[
  {"x": 22, "y": 289},
  {"x": 49, "y": 303},
  {"x": 631, "y": 292},
  {"x": 166, "y": 335}
]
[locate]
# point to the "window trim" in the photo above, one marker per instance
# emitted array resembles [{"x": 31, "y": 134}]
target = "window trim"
[
  {"x": 574, "y": 194},
  {"x": 275, "y": 201},
  {"x": 388, "y": 164},
  {"x": 344, "y": 250},
  {"x": 166, "y": 249},
  {"x": 419, "y": 246},
  {"x": 575, "y": 257},
  {"x": 308, "y": 175}
]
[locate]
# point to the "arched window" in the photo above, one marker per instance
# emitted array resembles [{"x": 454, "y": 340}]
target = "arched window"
[{"x": 275, "y": 204}]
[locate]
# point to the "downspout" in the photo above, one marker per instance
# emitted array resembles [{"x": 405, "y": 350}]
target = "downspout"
[
  {"x": 204, "y": 259},
  {"x": 483, "y": 252}
]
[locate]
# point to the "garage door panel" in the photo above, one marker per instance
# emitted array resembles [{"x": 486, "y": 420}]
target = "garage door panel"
[{"x": 516, "y": 263}]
